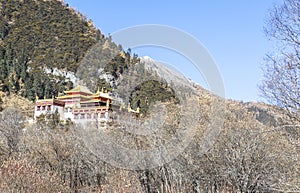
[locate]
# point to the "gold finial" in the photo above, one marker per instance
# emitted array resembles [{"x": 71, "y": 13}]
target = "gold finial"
[
  {"x": 44, "y": 96},
  {"x": 36, "y": 97},
  {"x": 98, "y": 90},
  {"x": 102, "y": 90},
  {"x": 138, "y": 110}
]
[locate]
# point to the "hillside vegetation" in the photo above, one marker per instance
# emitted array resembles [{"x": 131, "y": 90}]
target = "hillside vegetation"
[{"x": 39, "y": 35}]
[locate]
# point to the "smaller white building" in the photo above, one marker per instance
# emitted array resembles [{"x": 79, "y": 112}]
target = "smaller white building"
[{"x": 45, "y": 106}]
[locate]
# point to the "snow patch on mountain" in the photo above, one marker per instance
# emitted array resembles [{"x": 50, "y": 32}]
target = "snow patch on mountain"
[{"x": 167, "y": 72}]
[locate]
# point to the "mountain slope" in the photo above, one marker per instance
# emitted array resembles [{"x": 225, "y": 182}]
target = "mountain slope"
[
  {"x": 39, "y": 37},
  {"x": 265, "y": 114},
  {"x": 46, "y": 46}
]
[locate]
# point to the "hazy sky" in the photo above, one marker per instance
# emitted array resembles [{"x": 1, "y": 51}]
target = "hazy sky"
[{"x": 231, "y": 30}]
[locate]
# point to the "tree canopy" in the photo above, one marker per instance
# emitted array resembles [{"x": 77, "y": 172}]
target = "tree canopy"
[
  {"x": 281, "y": 85},
  {"x": 37, "y": 37}
]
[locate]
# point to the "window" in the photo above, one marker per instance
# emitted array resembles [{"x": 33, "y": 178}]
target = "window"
[
  {"x": 82, "y": 116},
  {"x": 89, "y": 116}
]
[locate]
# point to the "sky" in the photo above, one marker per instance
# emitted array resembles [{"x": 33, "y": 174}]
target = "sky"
[{"x": 231, "y": 31}]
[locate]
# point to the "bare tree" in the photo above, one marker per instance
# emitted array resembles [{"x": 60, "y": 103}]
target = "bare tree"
[
  {"x": 23, "y": 176},
  {"x": 281, "y": 84},
  {"x": 247, "y": 157},
  {"x": 248, "y": 161},
  {"x": 11, "y": 125}
]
